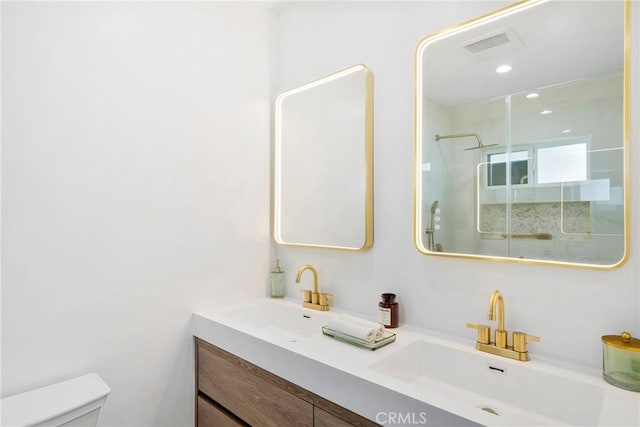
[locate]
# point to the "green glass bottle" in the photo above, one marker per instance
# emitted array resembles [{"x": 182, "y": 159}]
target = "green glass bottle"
[{"x": 277, "y": 281}]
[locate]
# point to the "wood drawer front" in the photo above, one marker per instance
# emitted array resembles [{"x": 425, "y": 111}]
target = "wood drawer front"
[
  {"x": 210, "y": 416},
  {"x": 324, "y": 419},
  {"x": 253, "y": 399}
]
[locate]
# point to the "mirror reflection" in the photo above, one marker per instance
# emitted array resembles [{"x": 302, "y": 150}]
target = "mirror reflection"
[
  {"x": 324, "y": 162},
  {"x": 520, "y": 136}
]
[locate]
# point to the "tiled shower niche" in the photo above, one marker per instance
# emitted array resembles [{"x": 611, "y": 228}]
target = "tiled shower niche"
[{"x": 540, "y": 221}]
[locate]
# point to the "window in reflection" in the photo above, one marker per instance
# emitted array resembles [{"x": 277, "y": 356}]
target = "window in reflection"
[
  {"x": 498, "y": 168},
  {"x": 561, "y": 163}
]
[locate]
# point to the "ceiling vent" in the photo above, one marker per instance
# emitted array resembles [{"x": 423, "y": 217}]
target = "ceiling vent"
[{"x": 487, "y": 42}]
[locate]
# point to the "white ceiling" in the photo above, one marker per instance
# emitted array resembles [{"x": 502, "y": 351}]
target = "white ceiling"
[{"x": 551, "y": 43}]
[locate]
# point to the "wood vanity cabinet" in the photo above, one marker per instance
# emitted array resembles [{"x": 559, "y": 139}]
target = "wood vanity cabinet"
[
  {"x": 326, "y": 419},
  {"x": 233, "y": 392}
]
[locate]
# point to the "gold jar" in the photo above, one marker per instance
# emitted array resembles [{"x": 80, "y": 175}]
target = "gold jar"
[{"x": 621, "y": 361}]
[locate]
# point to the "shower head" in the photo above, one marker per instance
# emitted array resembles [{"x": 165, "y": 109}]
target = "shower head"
[
  {"x": 481, "y": 145},
  {"x": 435, "y": 205},
  {"x": 464, "y": 135}
]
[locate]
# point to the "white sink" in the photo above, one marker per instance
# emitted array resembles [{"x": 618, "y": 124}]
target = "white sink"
[
  {"x": 524, "y": 393},
  {"x": 282, "y": 321}
]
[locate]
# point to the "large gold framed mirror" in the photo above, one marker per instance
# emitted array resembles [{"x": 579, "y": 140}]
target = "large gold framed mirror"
[
  {"x": 324, "y": 162},
  {"x": 522, "y": 127}
]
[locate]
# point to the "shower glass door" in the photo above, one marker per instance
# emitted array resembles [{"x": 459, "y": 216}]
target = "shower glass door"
[{"x": 572, "y": 203}]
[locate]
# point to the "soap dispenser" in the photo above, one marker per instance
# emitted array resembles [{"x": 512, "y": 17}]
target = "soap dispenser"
[{"x": 277, "y": 281}]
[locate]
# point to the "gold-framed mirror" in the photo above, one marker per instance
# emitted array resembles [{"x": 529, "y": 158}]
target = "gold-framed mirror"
[
  {"x": 521, "y": 136},
  {"x": 323, "y": 189}
]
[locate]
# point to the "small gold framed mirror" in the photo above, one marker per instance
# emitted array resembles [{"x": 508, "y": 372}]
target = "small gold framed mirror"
[
  {"x": 522, "y": 128},
  {"x": 324, "y": 162}
]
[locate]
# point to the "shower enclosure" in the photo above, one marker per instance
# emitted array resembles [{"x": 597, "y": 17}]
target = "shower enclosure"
[{"x": 564, "y": 191}]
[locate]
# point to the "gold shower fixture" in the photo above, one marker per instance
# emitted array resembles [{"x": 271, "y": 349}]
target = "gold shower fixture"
[{"x": 465, "y": 135}]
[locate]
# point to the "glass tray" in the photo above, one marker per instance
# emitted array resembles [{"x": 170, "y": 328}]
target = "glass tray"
[{"x": 387, "y": 338}]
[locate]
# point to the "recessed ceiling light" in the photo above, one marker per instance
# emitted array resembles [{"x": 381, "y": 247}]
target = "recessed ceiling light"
[
  {"x": 566, "y": 130},
  {"x": 533, "y": 95},
  {"x": 544, "y": 112},
  {"x": 503, "y": 69}
]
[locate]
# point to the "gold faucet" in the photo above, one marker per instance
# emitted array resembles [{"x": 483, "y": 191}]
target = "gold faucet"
[
  {"x": 313, "y": 299},
  {"x": 500, "y": 345},
  {"x": 501, "y": 334}
]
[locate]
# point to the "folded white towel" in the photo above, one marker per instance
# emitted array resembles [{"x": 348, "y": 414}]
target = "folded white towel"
[
  {"x": 373, "y": 325},
  {"x": 357, "y": 327},
  {"x": 356, "y": 330}
]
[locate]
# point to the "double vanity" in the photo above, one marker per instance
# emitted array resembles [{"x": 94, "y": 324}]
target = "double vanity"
[{"x": 424, "y": 378}]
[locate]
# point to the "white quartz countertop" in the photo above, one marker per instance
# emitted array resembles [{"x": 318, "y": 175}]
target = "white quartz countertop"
[{"x": 347, "y": 375}]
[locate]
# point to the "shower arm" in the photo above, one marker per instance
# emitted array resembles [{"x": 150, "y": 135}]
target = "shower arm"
[{"x": 461, "y": 135}]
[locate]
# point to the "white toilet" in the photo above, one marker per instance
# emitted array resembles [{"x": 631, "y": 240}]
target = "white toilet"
[{"x": 71, "y": 403}]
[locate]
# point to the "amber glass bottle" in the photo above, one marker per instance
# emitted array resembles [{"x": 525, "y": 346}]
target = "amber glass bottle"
[{"x": 388, "y": 311}]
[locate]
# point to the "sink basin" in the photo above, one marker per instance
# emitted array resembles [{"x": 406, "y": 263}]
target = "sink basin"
[
  {"x": 511, "y": 392},
  {"x": 282, "y": 320}
]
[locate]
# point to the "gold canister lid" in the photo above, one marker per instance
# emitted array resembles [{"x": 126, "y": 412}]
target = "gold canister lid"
[{"x": 624, "y": 341}]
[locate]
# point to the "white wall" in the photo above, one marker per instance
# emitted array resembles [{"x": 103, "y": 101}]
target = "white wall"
[
  {"x": 568, "y": 308},
  {"x": 135, "y": 176}
]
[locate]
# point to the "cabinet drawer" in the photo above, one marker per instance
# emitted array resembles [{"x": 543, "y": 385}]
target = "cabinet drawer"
[
  {"x": 253, "y": 399},
  {"x": 324, "y": 419},
  {"x": 210, "y": 416}
]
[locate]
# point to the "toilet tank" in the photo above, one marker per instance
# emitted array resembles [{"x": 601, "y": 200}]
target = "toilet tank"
[{"x": 75, "y": 402}]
